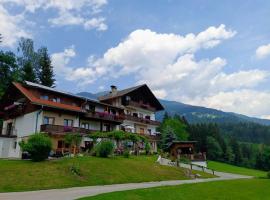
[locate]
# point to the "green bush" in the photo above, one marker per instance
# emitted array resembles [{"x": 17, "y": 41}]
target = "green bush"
[
  {"x": 268, "y": 175},
  {"x": 104, "y": 149},
  {"x": 38, "y": 145},
  {"x": 147, "y": 148},
  {"x": 126, "y": 154}
]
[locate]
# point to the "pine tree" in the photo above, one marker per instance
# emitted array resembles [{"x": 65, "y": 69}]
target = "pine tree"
[
  {"x": 28, "y": 73},
  {"x": 45, "y": 75},
  {"x": 168, "y": 140}
]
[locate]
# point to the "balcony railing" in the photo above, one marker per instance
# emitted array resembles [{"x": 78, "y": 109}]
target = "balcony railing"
[
  {"x": 141, "y": 105},
  {"x": 54, "y": 129},
  {"x": 141, "y": 120},
  {"x": 9, "y": 132},
  {"x": 105, "y": 116}
]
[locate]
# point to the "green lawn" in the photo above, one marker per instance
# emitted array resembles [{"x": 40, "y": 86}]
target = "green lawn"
[
  {"x": 25, "y": 175},
  {"x": 249, "y": 189},
  {"x": 218, "y": 166}
]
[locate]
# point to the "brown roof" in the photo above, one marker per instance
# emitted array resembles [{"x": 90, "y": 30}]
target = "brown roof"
[
  {"x": 119, "y": 93},
  {"x": 48, "y": 103}
]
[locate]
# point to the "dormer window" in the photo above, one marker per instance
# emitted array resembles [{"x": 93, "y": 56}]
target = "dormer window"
[{"x": 44, "y": 97}]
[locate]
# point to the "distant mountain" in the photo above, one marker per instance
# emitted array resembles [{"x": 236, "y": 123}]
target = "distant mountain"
[
  {"x": 88, "y": 95},
  {"x": 195, "y": 114}
]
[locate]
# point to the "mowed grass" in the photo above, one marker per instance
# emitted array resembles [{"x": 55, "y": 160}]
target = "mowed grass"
[
  {"x": 26, "y": 175},
  {"x": 223, "y": 167},
  {"x": 248, "y": 189}
]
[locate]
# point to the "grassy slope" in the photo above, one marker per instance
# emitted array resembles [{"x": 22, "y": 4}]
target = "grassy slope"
[
  {"x": 218, "y": 166},
  {"x": 26, "y": 175},
  {"x": 249, "y": 189}
]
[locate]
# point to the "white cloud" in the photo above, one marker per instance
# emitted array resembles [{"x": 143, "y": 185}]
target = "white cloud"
[
  {"x": 61, "y": 63},
  {"x": 249, "y": 102},
  {"x": 61, "y": 60},
  {"x": 263, "y": 51},
  {"x": 168, "y": 64},
  {"x": 96, "y": 23},
  {"x": 68, "y": 12},
  {"x": 11, "y": 28}
]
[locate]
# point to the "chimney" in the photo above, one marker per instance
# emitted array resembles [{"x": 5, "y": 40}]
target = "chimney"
[{"x": 113, "y": 90}]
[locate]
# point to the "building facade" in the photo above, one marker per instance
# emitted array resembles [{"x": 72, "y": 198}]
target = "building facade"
[
  {"x": 29, "y": 108},
  {"x": 139, "y": 105}
]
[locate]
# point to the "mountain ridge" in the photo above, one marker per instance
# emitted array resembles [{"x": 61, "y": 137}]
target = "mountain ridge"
[{"x": 194, "y": 114}]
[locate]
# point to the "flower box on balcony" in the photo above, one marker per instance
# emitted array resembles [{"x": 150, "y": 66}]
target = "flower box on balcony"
[{"x": 67, "y": 129}]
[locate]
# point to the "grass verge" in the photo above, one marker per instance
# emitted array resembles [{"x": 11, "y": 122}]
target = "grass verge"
[{"x": 17, "y": 175}]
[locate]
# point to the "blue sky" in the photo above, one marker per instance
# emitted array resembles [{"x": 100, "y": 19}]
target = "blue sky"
[{"x": 209, "y": 53}]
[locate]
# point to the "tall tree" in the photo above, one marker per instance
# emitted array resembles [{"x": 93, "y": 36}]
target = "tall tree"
[
  {"x": 28, "y": 73},
  {"x": 28, "y": 55},
  {"x": 9, "y": 70},
  {"x": 45, "y": 74}
]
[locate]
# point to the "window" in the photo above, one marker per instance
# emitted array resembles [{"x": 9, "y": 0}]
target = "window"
[
  {"x": 149, "y": 131},
  {"x": 48, "y": 120},
  {"x": 147, "y": 117},
  {"x": 9, "y": 128},
  {"x": 85, "y": 125},
  {"x": 141, "y": 130},
  {"x": 107, "y": 127},
  {"x": 45, "y": 97},
  {"x": 57, "y": 100},
  {"x": 135, "y": 114},
  {"x": 68, "y": 122},
  {"x": 15, "y": 145}
]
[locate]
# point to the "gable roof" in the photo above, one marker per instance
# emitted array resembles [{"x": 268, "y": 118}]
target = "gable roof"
[
  {"x": 121, "y": 93},
  {"x": 36, "y": 85},
  {"x": 38, "y": 101}
]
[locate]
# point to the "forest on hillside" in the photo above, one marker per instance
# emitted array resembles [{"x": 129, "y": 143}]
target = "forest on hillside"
[{"x": 221, "y": 143}]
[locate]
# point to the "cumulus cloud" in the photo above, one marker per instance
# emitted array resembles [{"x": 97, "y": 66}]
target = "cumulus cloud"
[
  {"x": 83, "y": 13},
  {"x": 263, "y": 51},
  {"x": 249, "y": 102},
  {"x": 11, "y": 27},
  {"x": 168, "y": 64}
]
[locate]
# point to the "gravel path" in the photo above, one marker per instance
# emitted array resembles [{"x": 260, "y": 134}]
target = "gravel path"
[{"x": 77, "y": 192}]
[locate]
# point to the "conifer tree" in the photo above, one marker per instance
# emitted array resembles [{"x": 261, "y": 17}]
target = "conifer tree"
[
  {"x": 28, "y": 73},
  {"x": 45, "y": 74}
]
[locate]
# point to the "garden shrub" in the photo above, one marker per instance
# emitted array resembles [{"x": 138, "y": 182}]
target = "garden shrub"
[
  {"x": 38, "y": 145},
  {"x": 75, "y": 169},
  {"x": 268, "y": 175},
  {"x": 104, "y": 149},
  {"x": 147, "y": 148},
  {"x": 126, "y": 154}
]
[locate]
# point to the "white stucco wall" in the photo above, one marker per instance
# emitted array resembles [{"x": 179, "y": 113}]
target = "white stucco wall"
[
  {"x": 26, "y": 124},
  {"x": 7, "y": 149}
]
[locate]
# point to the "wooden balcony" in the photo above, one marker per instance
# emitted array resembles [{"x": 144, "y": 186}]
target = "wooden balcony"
[
  {"x": 61, "y": 130},
  {"x": 140, "y": 105},
  {"x": 105, "y": 116},
  {"x": 141, "y": 120}
]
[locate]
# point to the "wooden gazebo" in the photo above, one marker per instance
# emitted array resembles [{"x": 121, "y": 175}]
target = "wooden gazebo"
[{"x": 182, "y": 149}]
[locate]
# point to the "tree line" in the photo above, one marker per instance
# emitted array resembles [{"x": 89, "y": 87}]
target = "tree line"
[
  {"x": 211, "y": 139},
  {"x": 27, "y": 64}
]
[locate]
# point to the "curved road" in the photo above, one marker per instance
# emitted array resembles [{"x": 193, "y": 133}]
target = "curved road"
[{"x": 78, "y": 192}]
